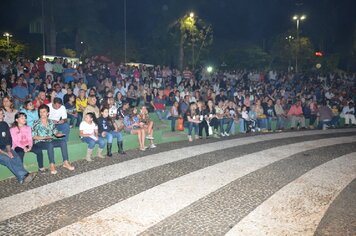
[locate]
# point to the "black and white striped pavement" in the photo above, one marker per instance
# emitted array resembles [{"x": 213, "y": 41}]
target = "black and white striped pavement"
[{"x": 292, "y": 183}]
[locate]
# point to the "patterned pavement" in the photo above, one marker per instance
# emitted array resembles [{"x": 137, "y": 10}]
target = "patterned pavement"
[{"x": 290, "y": 183}]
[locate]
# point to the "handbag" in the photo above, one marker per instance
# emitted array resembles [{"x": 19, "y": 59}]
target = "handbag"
[
  {"x": 211, "y": 132},
  {"x": 180, "y": 124}
]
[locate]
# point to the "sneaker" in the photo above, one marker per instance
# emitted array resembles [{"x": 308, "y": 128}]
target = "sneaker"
[
  {"x": 41, "y": 170},
  {"x": 222, "y": 134},
  {"x": 216, "y": 136},
  {"x": 149, "y": 137},
  {"x": 29, "y": 178},
  {"x": 153, "y": 146},
  {"x": 196, "y": 136},
  {"x": 190, "y": 138},
  {"x": 227, "y": 134}
]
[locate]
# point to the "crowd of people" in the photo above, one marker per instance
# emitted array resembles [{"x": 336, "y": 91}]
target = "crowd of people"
[{"x": 42, "y": 100}]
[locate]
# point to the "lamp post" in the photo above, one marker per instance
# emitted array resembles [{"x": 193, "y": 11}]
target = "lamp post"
[
  {"x": 289, "y": 38},
  {"x": 8, "y": 36},
  {"x": 298, "y": 18},
  {"x": 191, "y": 16}
]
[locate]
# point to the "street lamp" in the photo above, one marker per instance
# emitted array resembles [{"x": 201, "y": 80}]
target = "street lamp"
[
  {"x": 8, "y": 36},
  {"x": 289, "y": 38},
  {"x": 298, "y": 18}
]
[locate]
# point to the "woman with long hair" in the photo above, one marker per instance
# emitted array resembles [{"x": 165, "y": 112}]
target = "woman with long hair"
[
  {"x": 108, "y": 130},
  {"x": 9, "y": 110},
  {"x": 212, "y": 118},
  {"x": 173, "y": 115},
  {"x": 191, "y": 121},
  {"x": 22, "y": 142},
  {"x": 147, "y": 124},
  {"x": 132, "y": 126}
]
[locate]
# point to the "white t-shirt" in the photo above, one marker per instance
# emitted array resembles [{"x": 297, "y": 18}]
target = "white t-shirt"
[
  {"x": 56, "y": 114},
  {"x": 88, "y": 129}
]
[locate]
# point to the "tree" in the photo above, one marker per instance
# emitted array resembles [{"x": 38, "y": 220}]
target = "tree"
[
  {"x": 12, "y": 50},
  {"x": 285, "y": 48},
  {"x": 193, "y": 33}
]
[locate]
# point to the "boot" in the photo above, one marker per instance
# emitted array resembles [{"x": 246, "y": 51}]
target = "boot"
[
  {"x": 88, "y": 157},
  {"x": 108, "y": 148},
  {"x": 99, "y": 153},
  {"x": 120, "y": 146}
]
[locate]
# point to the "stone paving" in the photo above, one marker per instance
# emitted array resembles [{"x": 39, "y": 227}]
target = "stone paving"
[{"x": 214, "y": 214}]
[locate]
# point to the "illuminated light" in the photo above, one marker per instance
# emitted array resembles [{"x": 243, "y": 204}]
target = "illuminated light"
[
  {"x": 318, "y": 66},
  {"x": 209, "y": 69},
  {"x": 191, "y": 15},
  {"x": 318, "y": 54},
  {"x": 303, "y": 17},
  {"x": 295, "y": 17}
]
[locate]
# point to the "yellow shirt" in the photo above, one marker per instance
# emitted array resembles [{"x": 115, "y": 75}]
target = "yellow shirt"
[{"x": 81, "y": 102}]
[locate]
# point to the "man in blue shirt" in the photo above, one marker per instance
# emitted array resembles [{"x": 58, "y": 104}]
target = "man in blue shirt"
[{"x": 20, "y": 93}]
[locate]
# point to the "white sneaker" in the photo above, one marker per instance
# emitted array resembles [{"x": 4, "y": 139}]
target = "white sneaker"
[
  {"x": 222, "y": 134},
  {"x": 153, "y": 146},
  {"x": 150, "y": 137},
  {"x": 227, "y": 134}
]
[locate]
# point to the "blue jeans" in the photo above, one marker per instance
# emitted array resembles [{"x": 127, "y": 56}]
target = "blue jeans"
[
  {"x": 262, "y": 123},
  {"x": 49, "y": 146},
  {"x": 242, "y": 125},
  {"x": 190, "y": 126},
  {"x": 72, "y": 119},
  {"x": 281, "y": 120},
  {"x": 333, "y": 121},
  {"x": 38, "y": 153},
  {"x": 173, "y": 120},
  {"x": 64, "y": 129},
  {"x": 91, "y": 142},
  {"x": 160, "y": 114},
  {"x": 113, "y": 134},
  {"x": 269, "y": 122},
  {"x": 227, "y": 121},
  {"x": 14, "y": 165}
]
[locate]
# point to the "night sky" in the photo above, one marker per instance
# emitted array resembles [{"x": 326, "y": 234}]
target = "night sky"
[{"x": 330, "y": 23}]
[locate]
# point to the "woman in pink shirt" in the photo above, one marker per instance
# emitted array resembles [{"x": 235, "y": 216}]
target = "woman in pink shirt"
[{"x": 21, "y": 135}]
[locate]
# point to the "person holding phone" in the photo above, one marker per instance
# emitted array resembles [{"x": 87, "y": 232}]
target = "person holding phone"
[{"x": 47, "y": 137}]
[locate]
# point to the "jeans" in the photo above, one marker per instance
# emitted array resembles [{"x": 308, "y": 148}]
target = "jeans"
[
  {"x": 65, "y": 129},
  {"x": 227, "y": 121},
  {"x": 79, "y": 119},
  {"x": 113, "y": 134},
  {"x": 281, "y": 120},
  {"x": 49, "y": 146},
  {"x": 173, "y": 120},
  {"x": 190, "y": 126},
  {"x": 262, "y": 123},
  {"x": 38, "y": 153},
  {"x": 91, "y": 142},
  {"x": 14, "y": 165},
  {"x": 72, "y": 119},
  {"x": 333, "y": 121},
  {"x": 242, "y": 125},
  {"x": 160, "y": 114}
]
